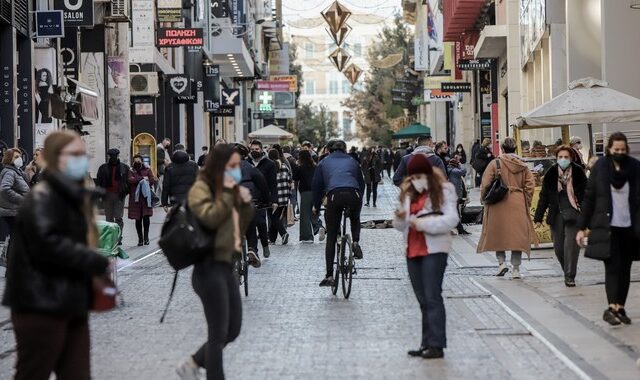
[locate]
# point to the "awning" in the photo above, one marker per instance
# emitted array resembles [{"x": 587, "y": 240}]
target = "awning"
[
  {"x": 270, "y": 131},
  {"x": 229, "y": 51},
  {"x": 492, "y": 42},
  {"x": 460, "y": 16},
  {"x": 412, "y": 131},
  {"x": 88, "y": 99},
  {"x": 588, "y": 101}
]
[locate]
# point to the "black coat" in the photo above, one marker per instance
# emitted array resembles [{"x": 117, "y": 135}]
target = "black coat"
[
  {"x": 179, "y": 176},
  {"x": 597, "y": 208},
  {"x": 549, "y": 198},
  {"x": 104, "y": 178},
  {"x": 50, "y": 266},
  {"x": 270, "y": 172},
  {"x": 253, "y": 180}
]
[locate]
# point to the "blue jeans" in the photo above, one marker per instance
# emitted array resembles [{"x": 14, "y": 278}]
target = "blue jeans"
[{"x": 426, "y": 274}]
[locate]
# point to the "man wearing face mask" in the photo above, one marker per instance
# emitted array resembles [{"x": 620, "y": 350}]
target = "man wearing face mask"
[
  {"x": 425, "y": 146},
  {"x": 576, "y": 146},
  {"x": 562, "y": 194},
  {"x": 112, "y": 176},
  {"x": 258, "y": 158}
]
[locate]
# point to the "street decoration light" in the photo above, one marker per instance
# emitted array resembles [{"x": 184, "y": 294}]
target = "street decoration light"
[
  {"x": 352, "y": 72},
  {"x": 339, "y": 58},
  {"x": 339, "y": 36},
  {"x": 635, "y": 4},
  {"x": 336, "y": 15}
]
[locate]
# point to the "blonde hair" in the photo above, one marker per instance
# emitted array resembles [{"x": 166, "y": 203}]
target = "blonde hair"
[
  {"x": 7, "y": 158},
  {"x": 486, "y": 142}
]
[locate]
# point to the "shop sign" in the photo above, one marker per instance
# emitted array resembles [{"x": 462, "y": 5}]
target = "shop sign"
[
  {"x": 273, "y": 85},
  {"x": 191, "y": 98},
  {"x": 284, "y": 100},
  {"x": 169, "y": 10},
  {"x": 265, "y": 101},
  {"x": 211, "y": 88},
  {"x": 69, "y": 53},
  {"x": 438, "y": 96},
  {"x": 475, "y": 64},
  {"x": 264, "y": 115},
  {"x": 49, "y": 24},
  {"x": 456, "y": 87},
  {"x": 284, "y": 114},
  {"x": 421, "y": 40},
  {"x": 176, "y": 37},
  {"x": 291, "y": 79},
  {"x": 230, "y": 96},
  {"x": 143, "y": 25},
  {"x": 237, "y": 15},
  {"x": 219, "y": 8},
  {"x": 224, "y": 111},
  {"x": 76, "y": 12},
  {"x": 178, "y": 85}
]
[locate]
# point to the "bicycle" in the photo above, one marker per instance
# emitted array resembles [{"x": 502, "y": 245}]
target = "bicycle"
[
  {"x": 345, "y": 262},
  {"x": 241, "y": 267}
]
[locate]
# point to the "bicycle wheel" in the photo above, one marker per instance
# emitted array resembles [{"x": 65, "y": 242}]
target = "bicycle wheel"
[
  {"x": 347, "y": 266},
  {"x": 236, "y": 267},
  {"x": 245, "y": 271},
  {"x": 336, "y": 270}
]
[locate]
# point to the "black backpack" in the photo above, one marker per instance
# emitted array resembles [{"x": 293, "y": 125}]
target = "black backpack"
[{"x": 184, "y": 242}]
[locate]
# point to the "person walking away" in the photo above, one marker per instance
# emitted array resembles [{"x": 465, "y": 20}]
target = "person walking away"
[
  {"x": 13, "y": 187},
  {"x": 371, "y": 169},
  {"x": 474, "y": 150},
  {"x": 203, "y": 156},
  {"x": 291, "y": 160},
  {"x": 611, "y": 211},
  {"x": 222, "y": 205},
  {"x": 52, "y": 263},
  {"x": 34, "y": 169},
  {"x": 576, "y": 146},
  {"x": 303, "y": 174},
  {"x": 278, "y": 214},
  {"x": 424, "y": 147},
  {"x": 163, "y": 160},
  {"x": 387, "y": 161},
  {"x": 562, "y": 194},
  {"x": 112, "y": 176},
  {"x": 507, "y": 225},
  {"x": 253, "y": 180},
  {"x": 259, "y": 160},
  {"x": 140, "y": 179},
  {"x": 482, "y": 159},
  {"x": 456, "y": 177},
  {"x": 179, "y": 176},
  {"x": 426, "y": 215}
]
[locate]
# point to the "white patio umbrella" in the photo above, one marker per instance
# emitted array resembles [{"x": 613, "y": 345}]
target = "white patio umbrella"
[{"x": 270, "y": 132}]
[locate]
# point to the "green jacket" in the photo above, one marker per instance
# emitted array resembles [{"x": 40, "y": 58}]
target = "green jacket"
[{"x": 215, "y": 214}]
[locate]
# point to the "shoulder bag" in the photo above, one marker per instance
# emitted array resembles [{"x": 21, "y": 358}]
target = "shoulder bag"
[{"x": 496, "y": 191}]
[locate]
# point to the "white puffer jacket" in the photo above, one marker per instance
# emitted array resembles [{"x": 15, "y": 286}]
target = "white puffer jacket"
[{"x": 437, "y": 228}]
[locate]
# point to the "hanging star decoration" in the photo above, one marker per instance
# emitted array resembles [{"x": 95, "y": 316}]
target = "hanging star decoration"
[
  {"x": 352, "y": 72},
  {"x": 339, "y": 58},
  {"x": 339, "y": 36},
  {"x": 336, "y": 15}
]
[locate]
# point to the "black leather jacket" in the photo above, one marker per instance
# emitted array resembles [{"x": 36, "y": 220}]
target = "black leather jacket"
[
  {"x": 179, "y": 176},
  {"x": 50, "y": 266}
]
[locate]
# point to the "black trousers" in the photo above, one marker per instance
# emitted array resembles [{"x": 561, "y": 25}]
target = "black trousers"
[
  {"x": 277, "y": 222},
  {"x": 258, "y": 229},
  {"x": 219, "y": 292},
  {"x": 337, "y": 202},
  {"x": 618, "y": 266},
  {"x": 140, "y": 223},
  {"x": 50, "y": 344},
  {"x": 372, "y": 188}
]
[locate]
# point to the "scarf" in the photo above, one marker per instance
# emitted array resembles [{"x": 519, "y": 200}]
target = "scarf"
[
  {"x": 118, "y": 175},
  {"x": 565, "y": 181},
  {"x": 618, "y": 177}
]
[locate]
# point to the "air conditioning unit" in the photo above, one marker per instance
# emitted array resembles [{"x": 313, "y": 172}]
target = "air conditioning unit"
[
  {"x": 144, "y": 84},
  {"x": 119, "y": 11}
]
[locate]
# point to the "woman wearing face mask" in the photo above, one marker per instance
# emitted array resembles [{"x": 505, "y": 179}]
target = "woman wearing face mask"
[
  {"x": 461, "y": 153},
  {"x": 52, "y": 261},
  {"x": 220, "y": 204},
  {"x": 562, "y": 193},
  {"x": 141, "y": 180},
  {"x": 611, "y": 211},
  {"x": 13, "y": 186},
  {"x": 33, "y": 171},
  {"x": 426, "y": 215}
]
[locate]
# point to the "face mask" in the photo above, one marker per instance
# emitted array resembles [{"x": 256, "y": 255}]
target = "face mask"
[
  {"x": 578, "y": 146},
  {"x": 619, "y": 157},
  {"x": 460, "y": 150},
  {"x": 256, "y": 155},
  {"x": 18, "y": 162},
  {"x": 420, "y": 184},
  {"x": 137, "y": 165},
  {"x": 235, "y": 173},
  {"x": 77, "y": 167},
  {"x": 113, "y": 160},
  {"x": 564, "y": 163}
]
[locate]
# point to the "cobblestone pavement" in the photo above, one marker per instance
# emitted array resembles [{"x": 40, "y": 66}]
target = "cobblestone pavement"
[{"x": 292, "y": 329}]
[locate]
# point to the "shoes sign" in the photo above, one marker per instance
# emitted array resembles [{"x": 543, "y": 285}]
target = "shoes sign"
[
  {"x": 75, "y": 12},
  {"x": 178, "y": 85},
  {"x": 230, "y": 97}
]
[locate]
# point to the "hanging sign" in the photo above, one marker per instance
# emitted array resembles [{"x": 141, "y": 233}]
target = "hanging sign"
[
  {"x": 211, "y": 88},
  {"x": 455, "y": 87},
  {"x": 273, "y": 85},
  {"x": 225, "y": 111},
  {"x": 230, "y": 97},
  {"x": 176, "y": 37},
  {"x": 178, "y": 85},
  {"x": 76, "y": 12},
  {"x": 169, "y": 10},
  {"x": 49, "y": 24},
  {"x": 475, "y": 64}
]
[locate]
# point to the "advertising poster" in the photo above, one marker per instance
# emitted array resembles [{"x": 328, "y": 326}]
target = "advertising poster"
[
  {"x": 45, "y": 79},
  {"x": 117, "y": 71}
]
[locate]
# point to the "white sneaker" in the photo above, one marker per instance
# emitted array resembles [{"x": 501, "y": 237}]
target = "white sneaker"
[
  {"x": 515, "y": 275},
  {"x": 188, "y": 370},
  {"x": 502, "y": 270},
  {"x": 322, "y": 234}
]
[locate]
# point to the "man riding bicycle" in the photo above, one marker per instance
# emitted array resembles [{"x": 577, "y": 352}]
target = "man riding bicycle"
[{"x": 339, "y": 177}]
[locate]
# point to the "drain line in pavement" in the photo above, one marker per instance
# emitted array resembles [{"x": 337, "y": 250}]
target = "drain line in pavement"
[{"x": 140, "y": 259}]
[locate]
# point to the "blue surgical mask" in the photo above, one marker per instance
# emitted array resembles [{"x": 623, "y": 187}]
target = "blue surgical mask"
[
  {"x": 235, "y": 173},
  {"x": 564, "y": 163},
  {"x": 77, "y": 167}
]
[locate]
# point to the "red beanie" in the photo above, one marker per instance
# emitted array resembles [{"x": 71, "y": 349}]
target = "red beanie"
[{"x": 419, "y": 164}]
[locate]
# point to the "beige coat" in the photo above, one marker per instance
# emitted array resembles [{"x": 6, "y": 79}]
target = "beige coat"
[{"x": 507, "y": 225}]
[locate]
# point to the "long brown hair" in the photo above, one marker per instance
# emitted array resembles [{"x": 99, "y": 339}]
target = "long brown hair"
[
  {"x": 7, "y": 159},
  {"x": 53, "y": 145},
  {"x": 435, "y": 181},
  {"x": 215, "y": 166}
]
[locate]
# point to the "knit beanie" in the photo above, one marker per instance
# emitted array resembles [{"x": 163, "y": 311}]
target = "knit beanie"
[{"x": 419, "y": 164}]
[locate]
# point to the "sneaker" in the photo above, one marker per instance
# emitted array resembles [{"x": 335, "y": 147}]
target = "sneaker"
[
  {"x": 366, "y": 205},
  {"x": 328, "y": 281},
  {"x": 374, "y": 205},
  {"x": 463, "y": 232},
  {"x": 502, "y": 270},
  {"x": 622, "y": 316},
  {"x": 188, "y": 370},
  {"x": 322, "y": 234},
  {"x": 306, "y": 241},
  {"x": 265, "y": 251},
  {"x": 357, "y": 251},
  {"x": 569, "y": 283},
  {"x": 417, "y": 353},
  {"x": 433, "y": 353},
  {"x": 515, "y": 274},
  {"x": 285, "y": 239},
  {"x": 253, "y": 259},
  {"x": 611, "y": 317}
]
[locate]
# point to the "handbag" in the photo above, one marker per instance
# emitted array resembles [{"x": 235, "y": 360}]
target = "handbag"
[
  {"x": 104, "y": 294},
  {"x": 569, "y": 215},
  {"x": 496, "y": 191}
]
